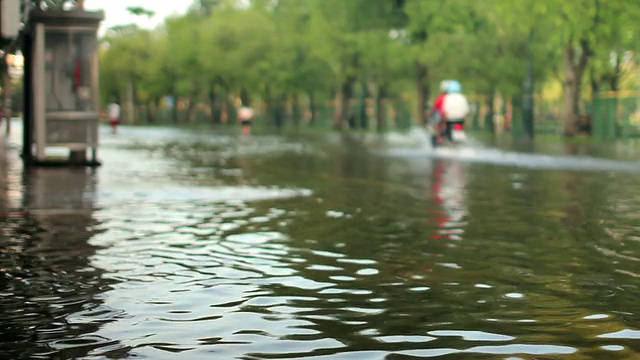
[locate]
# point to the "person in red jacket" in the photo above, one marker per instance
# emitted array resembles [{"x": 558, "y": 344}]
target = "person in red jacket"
[{"x": 437, "y": 118}]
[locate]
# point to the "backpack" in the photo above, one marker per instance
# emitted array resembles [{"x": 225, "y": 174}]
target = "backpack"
[{"x": 455, "y": 106}]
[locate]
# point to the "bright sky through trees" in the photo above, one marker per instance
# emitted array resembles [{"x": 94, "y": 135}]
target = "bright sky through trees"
[{"x": 116, "y": 11}]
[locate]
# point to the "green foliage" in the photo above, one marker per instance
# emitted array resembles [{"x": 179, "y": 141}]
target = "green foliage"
[
  {"x": 140, "y": 11},
  {"x": 313, "y": 46},
  {"x": 125, "y": 58}
]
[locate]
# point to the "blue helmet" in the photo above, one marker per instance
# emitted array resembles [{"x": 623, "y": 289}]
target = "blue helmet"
[{"x": 453, "y": 86}]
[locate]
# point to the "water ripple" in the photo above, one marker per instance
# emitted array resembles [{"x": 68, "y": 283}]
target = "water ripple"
[{"x": 188, "y": 256}]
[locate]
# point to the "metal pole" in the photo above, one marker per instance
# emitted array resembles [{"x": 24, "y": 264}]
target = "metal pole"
[
  {"x": 27, "y": 115},
  {"x": 5, "y": 69},
  {"x": 6, "y": 106}
]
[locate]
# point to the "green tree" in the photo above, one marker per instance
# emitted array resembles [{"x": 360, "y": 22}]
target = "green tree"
[
  {"x": 295, "y": 66},
  {"x": 288, "y": 51},
  {"x": 184, "y": 44},
  {"x": 385, "y": 63},
  {"x": 583, "y": 28},
  {"x": 235, "y": 50},
  {"x": 124, "y": 65},
  {"x": 339, "y": 31},
  {"x": 524, "y": 52},
  {"x": 451, "y": 40}
]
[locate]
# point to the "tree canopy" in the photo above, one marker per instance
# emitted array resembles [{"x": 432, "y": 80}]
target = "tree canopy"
[{"x": 292, "y": 51}]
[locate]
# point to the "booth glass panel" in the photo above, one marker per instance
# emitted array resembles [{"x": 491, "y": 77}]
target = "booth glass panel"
[{"x": 69, "y": 70}]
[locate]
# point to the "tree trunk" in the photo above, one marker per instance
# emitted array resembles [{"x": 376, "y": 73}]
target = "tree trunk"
[
  {"x": 279, "y": 111},
  {"x": 295, "y": 108},
  {"x": 488, "y": 116},
  {"x": 380, "y": 95},
  {"x": 226, "y": 106},
  {"x": 214, "y": 105},
  {"x": 129, "y": 108},
  {"x": 343, "y": 97},
  {"x": 211, "y": 95},
  {"x": 189, "y": 116},
  {"x": 422, "y": 91},
  {"x": 595, "y": 84},
  {"x": 574, "y": 65},
  {"x": 269, "y": 109},
  {"x": 174, "y": 96},
  {"x": 345, "y": 94},
  {"x": 174, "y": 109},
  {"x": 616, "y": 73},
  {"x": 338, "y": 112},
  {"x": 527, "y": 97},
  {"x": 134, "y": 100},
  {"x": 244, "y": 97},
  {"x": 312, "y": 109},
  {"x": 363, "y": 119},
  {"x": 151, "y": 110},
  {"x": 571, "y": 105},
  {"x": 157, "y": 105}
]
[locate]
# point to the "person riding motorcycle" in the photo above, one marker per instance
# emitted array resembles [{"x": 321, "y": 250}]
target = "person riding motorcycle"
[
  {"x": 450, "y": 108},
  {"x": 455, "y": 108}
]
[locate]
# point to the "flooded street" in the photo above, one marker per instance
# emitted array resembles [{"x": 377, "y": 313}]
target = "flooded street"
[{"x": 200, "y": 244}]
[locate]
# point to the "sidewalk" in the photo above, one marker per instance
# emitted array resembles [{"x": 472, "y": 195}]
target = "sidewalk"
[
  {"x": 134, "y": 169},
  {"x": 64, "y": 189}
]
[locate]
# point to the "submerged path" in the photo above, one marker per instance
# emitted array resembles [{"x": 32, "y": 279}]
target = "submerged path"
[{"x": 201, "y": 244}]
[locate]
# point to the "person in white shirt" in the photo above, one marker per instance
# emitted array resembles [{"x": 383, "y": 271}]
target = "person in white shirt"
[
  {"x": 113, "y": 111},
  {"x": 245, "y": 117}
]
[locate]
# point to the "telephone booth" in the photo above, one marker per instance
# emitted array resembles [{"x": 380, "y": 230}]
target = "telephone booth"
[{"x": 61, "y": 117}]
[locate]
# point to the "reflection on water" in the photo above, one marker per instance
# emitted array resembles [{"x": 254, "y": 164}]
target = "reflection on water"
[
  {"x": 45, "y": 271},
  {"x": 449, "y": 188},
  {"x": 205, "y": 246}
]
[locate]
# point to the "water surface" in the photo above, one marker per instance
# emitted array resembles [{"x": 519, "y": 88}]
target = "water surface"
[{"x": 207, "y": 245}]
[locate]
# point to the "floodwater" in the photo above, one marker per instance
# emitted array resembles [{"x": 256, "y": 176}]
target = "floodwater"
[{"x": 206, "y": 245}]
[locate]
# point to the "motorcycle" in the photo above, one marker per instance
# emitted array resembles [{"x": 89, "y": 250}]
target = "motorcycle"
[
  {"x": 455, "y": 131},
  {"x": 451, "y": 134}
]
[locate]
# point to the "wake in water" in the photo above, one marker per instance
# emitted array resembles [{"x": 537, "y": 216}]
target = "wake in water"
[{"x": 416, "y": 143}]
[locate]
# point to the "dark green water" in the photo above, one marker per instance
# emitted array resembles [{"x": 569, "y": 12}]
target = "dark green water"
[{"x": 197, "y": 245}]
